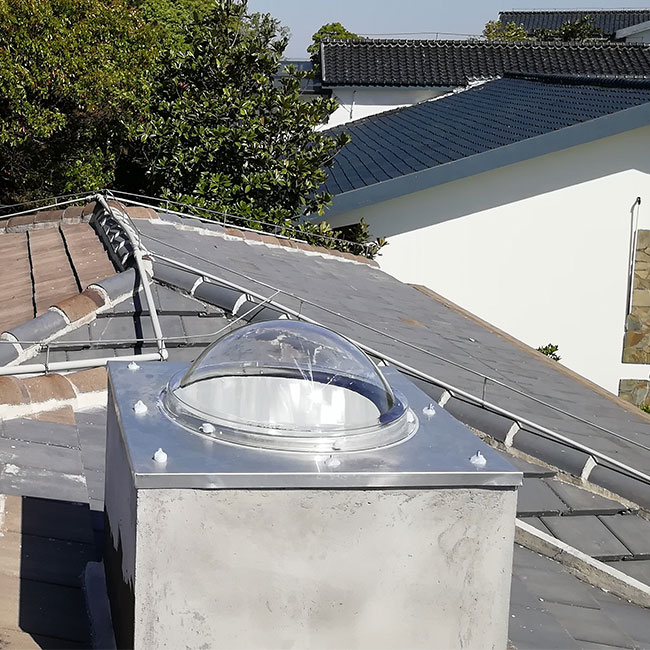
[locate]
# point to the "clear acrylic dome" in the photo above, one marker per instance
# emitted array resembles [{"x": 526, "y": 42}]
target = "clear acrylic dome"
[{"x": 288, "y": 385}]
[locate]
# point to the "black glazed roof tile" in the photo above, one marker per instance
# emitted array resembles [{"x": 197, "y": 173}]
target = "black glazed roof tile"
[
  {"x": 422, "y": 63},
  {"x": 608, "y": 21}
]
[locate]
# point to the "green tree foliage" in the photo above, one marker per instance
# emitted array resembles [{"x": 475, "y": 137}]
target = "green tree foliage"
[
  {"x": 551, "y": 351},
  {"x": 580, "y": 30},
  {"x": 226, "y": 135},
  {"x": 176, "y": 97},
  {"x": 73, "y": 75},
  {"x": 171, "y": 17},
  {"x": 495, "y": 30},
  {"x": 330, "y": 30}
]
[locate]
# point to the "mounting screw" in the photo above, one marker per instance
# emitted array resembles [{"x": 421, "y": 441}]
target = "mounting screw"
[
  {"x": 160, "y": 456},
  {"x": 429, "y": 411},
  {"x": 478, "y": 460},
  {"x": 140, "y": 407},
  {"x": 332, "y": 462}
]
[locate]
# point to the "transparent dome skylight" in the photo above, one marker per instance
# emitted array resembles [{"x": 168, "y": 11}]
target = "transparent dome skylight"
[{"x": 291, "y": 386}]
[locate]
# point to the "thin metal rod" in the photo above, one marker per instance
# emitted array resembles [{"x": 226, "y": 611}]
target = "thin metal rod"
[
  {"x": 86, "y": 199},
  {"x": 137, "y": 255},
  {"x": 424, "y": 376},
  {"x": 234, "y": 216},
  {"x": 45, "y": 198},
  {"x": 55, "y": 366},
  {"x": 634, "y": 224},
  {"x": 413, "y": 346}
]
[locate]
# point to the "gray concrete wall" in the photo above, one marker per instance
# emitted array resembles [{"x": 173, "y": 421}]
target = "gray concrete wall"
[
  {"x": 120, "y": 532},
  {"x": 323, "y": 569}
]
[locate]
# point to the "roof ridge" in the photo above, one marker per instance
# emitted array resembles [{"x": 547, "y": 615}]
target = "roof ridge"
[
  {"x": 576, "y": 10},
  {"x": 606, "y": 81},
  {"x": 486, "y": 44}
]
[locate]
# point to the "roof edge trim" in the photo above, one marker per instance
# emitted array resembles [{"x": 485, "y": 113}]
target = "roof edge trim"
[{"x": 633, "y": 29}]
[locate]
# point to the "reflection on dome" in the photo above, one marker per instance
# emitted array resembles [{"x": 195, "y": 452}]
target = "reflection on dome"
[{"x": 289, "y": 385}]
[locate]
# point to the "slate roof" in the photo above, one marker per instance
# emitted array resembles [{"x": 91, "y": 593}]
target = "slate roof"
[
  {"x": 457, "y": 126},
  {"x": 420, "y": 63},
  {"x": 609, "y": 21},
  {"x": 52, "y": 464}
]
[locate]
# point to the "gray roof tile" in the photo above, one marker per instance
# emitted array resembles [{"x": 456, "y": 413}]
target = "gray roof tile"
[
  {"x": 503, "y": 112},
  {"x": 582, "y": 501},
  {"x": 639, "y": 569},
  {"x": 589, "y": 535},
  {"x": 585, "y": 624},
  {"x": 535, "y": 498},
  {"x": 632, "y": 530}
]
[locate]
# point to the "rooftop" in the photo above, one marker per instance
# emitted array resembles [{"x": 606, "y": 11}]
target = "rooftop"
[
  {"x": 422, "y": 63},
  {"x": 609, "y": 21},
  {"x": 207, "y": 279},
  {"x": 428, "y": 143}
]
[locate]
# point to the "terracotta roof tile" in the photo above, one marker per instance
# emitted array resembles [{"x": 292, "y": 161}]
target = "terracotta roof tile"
[
  {"x": 19, "y": 224},
  {"x": 51, "y": 270},
  {"x": 270, "y": 239},
  {"x": 95, "y": 296},
  {"x": 55, "y": 387},
  {"x": 137, "y": 212},
  {"x": 77, "y": 307},
  {"x": 47, "y": 387},
  {"x": 13, "y": 391},
  {"x": 44, "y": 265},
  {"x": 48, "y": 216},
  {"x": 88, "y": 255},
  {"x": 87, "y": 381},
  {"x": 16, "y": 286}
]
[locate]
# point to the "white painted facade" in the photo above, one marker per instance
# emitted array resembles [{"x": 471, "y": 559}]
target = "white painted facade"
[
  {"x": 538, "y": 248},
  {"x": 355, "y": 103}
]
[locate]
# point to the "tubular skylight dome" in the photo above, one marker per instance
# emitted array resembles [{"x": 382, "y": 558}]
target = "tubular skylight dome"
[{"x": 292, "y": 386}]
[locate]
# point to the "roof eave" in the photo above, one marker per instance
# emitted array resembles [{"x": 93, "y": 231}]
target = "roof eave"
[
  {"x": 571, "y": 136},
  {"x": 632, "y": 29}
]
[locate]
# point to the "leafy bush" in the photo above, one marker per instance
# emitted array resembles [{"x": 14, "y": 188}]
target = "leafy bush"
[
  {"x": 550, "y": 351},
  {"x": 73, "y": 75}
]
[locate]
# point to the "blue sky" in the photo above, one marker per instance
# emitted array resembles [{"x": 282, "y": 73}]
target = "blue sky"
[{"x": 304, "y": 17}]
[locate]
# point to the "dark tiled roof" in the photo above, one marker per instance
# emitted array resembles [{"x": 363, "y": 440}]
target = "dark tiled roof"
[
  {"x": 454, "y": 63},
  {"x": 309, "y": 86},
  {"x": 486, "y": 117},
  {"x": 609, "y": 21}
]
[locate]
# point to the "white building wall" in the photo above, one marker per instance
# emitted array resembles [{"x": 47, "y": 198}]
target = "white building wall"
[
  {"x": 355, "y": 103},
  {"x": 539, "y": 248}
]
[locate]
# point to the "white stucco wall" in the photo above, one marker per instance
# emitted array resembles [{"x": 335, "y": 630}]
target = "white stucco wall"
[
  {"x": 355, "y": 103},
  {"x": 538, "y": 248}
]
